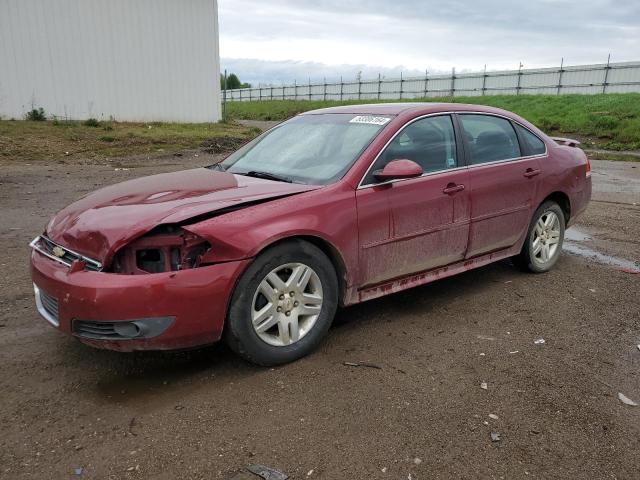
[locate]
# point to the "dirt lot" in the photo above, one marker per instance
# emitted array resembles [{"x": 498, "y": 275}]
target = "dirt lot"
[{"x": 205, "y": 414}]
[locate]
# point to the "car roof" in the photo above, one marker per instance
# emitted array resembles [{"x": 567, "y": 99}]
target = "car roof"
[{"x": 411, "y": 108}]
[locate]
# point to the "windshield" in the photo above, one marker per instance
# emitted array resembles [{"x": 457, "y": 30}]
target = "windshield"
[{"x": 313, "y": 149}]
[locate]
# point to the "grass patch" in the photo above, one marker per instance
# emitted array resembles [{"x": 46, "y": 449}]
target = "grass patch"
[
  {"x": 37, "y": 140},
  {"x": 610, "y": 121}
]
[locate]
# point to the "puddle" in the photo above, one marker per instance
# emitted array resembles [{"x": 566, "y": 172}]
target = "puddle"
[
  {"x": 573, "y": 244},
  {"x": 575, "y": 235}
]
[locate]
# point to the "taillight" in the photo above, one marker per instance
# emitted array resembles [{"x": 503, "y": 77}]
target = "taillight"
[{"x": 588, "y": 174}]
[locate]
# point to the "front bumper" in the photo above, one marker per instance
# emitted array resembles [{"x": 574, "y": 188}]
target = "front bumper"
[{"x": 196, "y": 300}]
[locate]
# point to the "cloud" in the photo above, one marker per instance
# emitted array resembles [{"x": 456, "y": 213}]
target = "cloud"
[{"x": 283, "y": 40}]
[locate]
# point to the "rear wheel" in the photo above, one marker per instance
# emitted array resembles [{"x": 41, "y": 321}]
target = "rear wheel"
[
  {"x": 543, "y": 245},
  {"x": 283, "y": 305}
]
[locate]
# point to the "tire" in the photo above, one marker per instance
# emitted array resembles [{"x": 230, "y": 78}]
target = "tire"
[
  {"x": 539, "y": 253},
  {"x": 290, "y": 293}
]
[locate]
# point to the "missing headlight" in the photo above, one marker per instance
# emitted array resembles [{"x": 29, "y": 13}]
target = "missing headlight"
[
  {"x": 151, "y": 261},
  {"x": 164, "y": 249}
]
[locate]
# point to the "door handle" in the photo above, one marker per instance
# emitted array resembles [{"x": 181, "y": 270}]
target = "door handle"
[
  {"x": 530, "y": 172},
  {"x": 453, "y": 188}
]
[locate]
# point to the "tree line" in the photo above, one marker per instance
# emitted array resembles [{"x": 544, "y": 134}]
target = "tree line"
[{"x": 233, "y": 82}]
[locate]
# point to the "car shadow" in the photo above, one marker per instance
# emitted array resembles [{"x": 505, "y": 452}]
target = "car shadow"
[
  {"x": 128, "y": 377},
  {"x": 424, "y": 298}
]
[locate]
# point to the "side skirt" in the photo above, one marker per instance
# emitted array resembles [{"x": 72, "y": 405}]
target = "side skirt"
[{"x": 417, "y": 279}]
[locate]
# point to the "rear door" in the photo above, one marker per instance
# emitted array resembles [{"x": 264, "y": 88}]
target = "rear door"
[
  {"x": 503, "y": 181},
  {"x": 413, "y": 225}
]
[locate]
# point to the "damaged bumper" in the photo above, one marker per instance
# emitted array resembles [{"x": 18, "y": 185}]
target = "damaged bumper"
[{"x": 162, "y": 311}]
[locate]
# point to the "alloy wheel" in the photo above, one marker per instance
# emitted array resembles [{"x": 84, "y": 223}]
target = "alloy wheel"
[
  {"x": 286, "y": 304},
  {"x": 546, "y": 238}
]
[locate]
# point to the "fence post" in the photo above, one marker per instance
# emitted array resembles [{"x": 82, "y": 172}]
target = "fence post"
[
  {"x": 401, "y": 85},
  {"x": 309, "y": 88},
  {"x": 272, "y": 91},
  {"x": 426, "y": 83},
  {"x": 453, "y": 82},
  {"x": 518, "y": 87},
  {"x": 295, "y": 90},
  {"x": 224, "y": 97},
  {"x": 560, "y": 76},
  {"x": 324, "y": 96},
  {"x": 240, "y": 94},
  {"x": 341, "y": 88},
  {"x": 379, "y": 86},
  {"x": 484, "y": 80},
  {"x": 606, "y": 74}
]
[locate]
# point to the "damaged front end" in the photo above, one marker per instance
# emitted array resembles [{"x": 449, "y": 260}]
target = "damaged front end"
[
  {"x": 151, "y": 294},
  {"x": 166, "y": 248},
  {"x": 139, "y": 265}
]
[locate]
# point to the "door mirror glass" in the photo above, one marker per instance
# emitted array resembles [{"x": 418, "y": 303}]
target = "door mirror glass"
[{"x": 397, "y": 169}]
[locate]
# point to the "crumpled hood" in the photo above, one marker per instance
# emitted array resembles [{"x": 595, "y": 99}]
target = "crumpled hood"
[{"x": 102, "y": 222}]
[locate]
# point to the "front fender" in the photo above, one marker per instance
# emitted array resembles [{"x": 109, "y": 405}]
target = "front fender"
[{"x": 328, "y": 214}]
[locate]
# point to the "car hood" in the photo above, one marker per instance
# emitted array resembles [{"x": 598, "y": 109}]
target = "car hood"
[{"x": 100, "y": 223}]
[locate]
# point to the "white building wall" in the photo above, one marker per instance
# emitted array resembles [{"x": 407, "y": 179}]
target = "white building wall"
[{"x": 133, "y": 60}]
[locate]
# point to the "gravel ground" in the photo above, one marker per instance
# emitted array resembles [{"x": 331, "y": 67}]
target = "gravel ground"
[{"x": 423, "y": 414}]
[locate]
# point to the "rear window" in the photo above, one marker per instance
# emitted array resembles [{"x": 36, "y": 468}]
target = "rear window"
[
  {"x": 490, "y": 138},
  {"x": 532, "y": 145}
]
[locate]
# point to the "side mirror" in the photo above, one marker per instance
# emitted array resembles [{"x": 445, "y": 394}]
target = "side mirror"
[{"x": 397, "y": 169}]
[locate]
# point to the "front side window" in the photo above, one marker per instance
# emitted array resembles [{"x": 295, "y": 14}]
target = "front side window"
[
  {"x": 313, "y": 149},
  {"x": 430, "y": 142},
  {"x": 532, "y": 145},
  {"x": 490, "y": 138}
]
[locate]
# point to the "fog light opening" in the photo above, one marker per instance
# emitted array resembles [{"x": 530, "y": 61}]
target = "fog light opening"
[
  {"x": 133, "y": 329},
  {"x": 127, "y": 329}
]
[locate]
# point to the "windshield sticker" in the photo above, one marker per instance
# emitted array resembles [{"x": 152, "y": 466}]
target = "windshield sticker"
[{"x": 370, "y": 120}]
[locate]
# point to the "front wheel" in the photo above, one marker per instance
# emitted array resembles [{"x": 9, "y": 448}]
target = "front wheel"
[
  {"x": 543, "y": 245},
  {"x": 283, "y": 304}
]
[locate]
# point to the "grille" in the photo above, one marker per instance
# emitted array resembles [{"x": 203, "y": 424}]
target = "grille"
[
  {"x": 50, "y": 304},
  {"x": 97, "y": 330},
  {"x": 47, "y": 306},
  {"x": 46, "y": 246}
]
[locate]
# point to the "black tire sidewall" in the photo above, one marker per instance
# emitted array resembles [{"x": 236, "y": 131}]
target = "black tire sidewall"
[{"x": 239, "y": 331}]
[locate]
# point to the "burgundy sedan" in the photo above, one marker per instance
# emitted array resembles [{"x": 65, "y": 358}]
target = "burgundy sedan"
[{"x": 331, "y": 208}]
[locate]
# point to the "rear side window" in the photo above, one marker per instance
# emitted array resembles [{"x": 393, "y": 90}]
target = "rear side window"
[
  {"x": 490, "y": 138},
  {"x": 531, "y": 144}
]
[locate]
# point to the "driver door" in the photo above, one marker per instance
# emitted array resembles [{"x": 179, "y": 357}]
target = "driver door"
[{"x": 413, "y": 225}]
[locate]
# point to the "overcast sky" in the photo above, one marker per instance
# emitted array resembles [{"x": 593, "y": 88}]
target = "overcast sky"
[{"x": 278, "y": 41}]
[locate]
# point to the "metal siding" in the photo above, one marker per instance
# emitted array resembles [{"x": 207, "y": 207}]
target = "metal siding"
[
  {"x": 622, "y": 77},
  {"x": 469, "y": 84},
  {"x": 143, "y": 60}
]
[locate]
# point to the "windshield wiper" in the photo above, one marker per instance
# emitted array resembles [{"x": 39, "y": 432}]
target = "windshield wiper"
[{"x": 267, "y": 176}]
